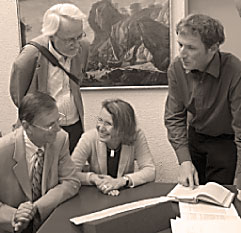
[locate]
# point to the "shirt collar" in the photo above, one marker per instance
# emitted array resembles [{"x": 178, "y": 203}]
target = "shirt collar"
[
  {"x": 28, "y": 143},
  {"x": 213, "y": 67},
  {"x": 60, "y": 57}
]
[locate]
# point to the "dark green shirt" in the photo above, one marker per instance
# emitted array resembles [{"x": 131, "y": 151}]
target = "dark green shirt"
[{"x": 209, "y": 101}]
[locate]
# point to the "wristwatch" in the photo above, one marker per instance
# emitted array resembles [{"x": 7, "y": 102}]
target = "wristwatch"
[{"x": 126, "y": 178}]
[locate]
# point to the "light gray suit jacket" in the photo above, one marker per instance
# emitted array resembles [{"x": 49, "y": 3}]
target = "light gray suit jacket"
[
  {"x": 59, "y": 182},
  {"x": 91, "y": 149},
  {"x": 30, "y": 73}
]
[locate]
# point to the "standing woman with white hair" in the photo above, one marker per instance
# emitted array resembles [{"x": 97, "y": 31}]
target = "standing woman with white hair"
[{"x": 62, "y": 35}]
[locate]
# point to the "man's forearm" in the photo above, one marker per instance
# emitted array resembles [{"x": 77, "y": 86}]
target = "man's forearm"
[{"x": 183, "y": 154}]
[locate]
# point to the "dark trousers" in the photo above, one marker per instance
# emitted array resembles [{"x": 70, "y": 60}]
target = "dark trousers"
[
  {"x": 215, "y": 158},
  {"x": 75, "y": 131}
]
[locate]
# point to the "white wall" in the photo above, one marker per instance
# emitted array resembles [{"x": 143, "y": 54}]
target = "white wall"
[
  {"x": 9, "y": 47},
  {"x": 178, "y": 10},
  {"x": 147, "y": 102},
  {"x": 226, "y": 12}
]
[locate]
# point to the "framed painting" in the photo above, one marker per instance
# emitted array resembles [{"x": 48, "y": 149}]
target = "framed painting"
[{"x": 129, "y": 39}]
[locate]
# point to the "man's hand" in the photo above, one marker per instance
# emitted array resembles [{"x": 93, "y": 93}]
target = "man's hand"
[
  {"x": 188, "y": 175},
  {"x": 24, "y": 215}
]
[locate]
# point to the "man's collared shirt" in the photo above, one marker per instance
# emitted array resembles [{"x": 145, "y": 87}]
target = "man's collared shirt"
[
  {"x": 30, "y": 150},
  {"x": 209, "y": 101},
  {"x": 58, "y": 87}
]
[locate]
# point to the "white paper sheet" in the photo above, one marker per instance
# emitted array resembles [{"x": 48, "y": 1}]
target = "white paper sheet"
[
  {"x": 206, "y": 218},
  {"x": 203, "y": 211},
  {"x": 119, "y": 209},
  {"x": 205, "y": 226}
]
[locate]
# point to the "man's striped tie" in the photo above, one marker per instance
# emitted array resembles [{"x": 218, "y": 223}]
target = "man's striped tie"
[{"x": 36, "y": 184}]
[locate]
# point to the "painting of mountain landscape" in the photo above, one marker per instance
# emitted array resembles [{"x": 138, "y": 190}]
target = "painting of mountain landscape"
[{"x": 129, "y": 40}]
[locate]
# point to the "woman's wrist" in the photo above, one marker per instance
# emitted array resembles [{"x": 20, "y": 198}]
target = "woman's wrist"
[
  {"x": 127, "y": 181},
  {"x": 93, "y": 178}
]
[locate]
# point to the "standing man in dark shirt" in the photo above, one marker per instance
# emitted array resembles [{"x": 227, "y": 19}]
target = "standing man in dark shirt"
[{"x": 203, "y": 107}]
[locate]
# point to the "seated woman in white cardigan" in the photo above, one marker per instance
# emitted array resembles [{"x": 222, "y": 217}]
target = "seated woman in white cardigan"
[{"x": 111, "y": 149}]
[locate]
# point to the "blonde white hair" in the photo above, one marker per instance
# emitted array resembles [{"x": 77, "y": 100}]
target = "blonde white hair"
[{"x": 52, "y": 17}]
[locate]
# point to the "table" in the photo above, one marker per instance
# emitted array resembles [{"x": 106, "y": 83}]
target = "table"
[{"x": 90, "y": 199}]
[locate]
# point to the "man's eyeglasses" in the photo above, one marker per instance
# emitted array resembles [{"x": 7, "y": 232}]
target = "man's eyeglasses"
[
  {"x": 71, "y": 41},
  {"x": 51, "y": 127}
]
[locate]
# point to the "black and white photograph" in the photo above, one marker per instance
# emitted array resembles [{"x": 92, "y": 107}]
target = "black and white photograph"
[{"x": 120, "y": 116}]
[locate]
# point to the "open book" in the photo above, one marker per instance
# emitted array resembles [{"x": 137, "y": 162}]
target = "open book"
[{"x": 210, "y": 192}]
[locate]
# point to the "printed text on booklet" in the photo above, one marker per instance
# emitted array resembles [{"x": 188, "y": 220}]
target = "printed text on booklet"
[{"x": 210, "y": 192}]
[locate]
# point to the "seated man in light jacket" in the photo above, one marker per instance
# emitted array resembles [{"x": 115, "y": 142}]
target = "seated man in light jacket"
[
  {"x": 57, "y": 181},
  {"x": 111, "y": 149}
]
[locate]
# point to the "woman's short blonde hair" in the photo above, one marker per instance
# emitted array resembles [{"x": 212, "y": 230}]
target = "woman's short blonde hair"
[
  {"x": 124, "y": 119},
  {"x": 52, "y": 17}
]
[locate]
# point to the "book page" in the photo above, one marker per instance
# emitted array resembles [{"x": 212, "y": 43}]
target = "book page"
[
  {"x": 211, "y": 192},
  {"x": 214, "y": 191},
  {"x": 182, "y": 192},
  {"x": 229, "y": 199}
]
